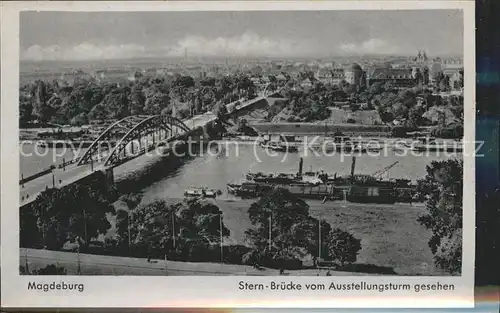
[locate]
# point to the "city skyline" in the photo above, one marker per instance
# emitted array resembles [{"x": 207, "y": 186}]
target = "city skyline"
[{"x": 73, "y": 36}]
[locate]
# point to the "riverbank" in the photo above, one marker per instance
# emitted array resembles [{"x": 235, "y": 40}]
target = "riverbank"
[
  {"x": 391, "y": 238},
  {"x": 322, "y": 129}
]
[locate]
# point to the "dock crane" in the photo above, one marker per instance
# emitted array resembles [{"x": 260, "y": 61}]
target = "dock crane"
[{"x": 379, "y": 173}]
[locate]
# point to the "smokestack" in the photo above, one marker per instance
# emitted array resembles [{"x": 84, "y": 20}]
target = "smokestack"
[
  {"x": 353, "y": 165},
  {"x": 301, "y": 163}
]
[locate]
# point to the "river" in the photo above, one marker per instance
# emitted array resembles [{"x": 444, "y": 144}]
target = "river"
[
  {"x": 225, "y": 162},
  {"x": 391, "y": 236}
]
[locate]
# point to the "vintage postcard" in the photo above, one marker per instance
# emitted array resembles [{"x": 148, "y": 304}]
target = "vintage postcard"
[{"x": 238, "y": 154}]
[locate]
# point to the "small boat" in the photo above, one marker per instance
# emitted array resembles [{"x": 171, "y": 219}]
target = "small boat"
[
  {"x": 202, "y": 192},
  {"x": 374, "y": 147},
  {"x": 430, "y": 144},
  {"x": 343, "y": 144},
  {"x": 401, "y": 146},
  {"x": 41, "y": 144},
  {"x": 249, "y": 190}
]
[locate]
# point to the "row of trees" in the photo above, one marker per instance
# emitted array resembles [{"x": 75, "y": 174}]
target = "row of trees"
[
  {"x": 92, "y": 99},
  {"x": 186, "y": 231},
  {"x": 283, "y": 234}
]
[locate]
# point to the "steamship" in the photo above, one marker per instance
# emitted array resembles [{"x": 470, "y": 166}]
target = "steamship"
[{"x": 352, "y": 188}]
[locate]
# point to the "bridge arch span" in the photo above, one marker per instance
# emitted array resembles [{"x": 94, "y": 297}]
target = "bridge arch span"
[{"x": 127, "y": 130}]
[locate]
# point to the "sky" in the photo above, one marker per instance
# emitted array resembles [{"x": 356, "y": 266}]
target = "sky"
[{"x": 122, "y": 35}]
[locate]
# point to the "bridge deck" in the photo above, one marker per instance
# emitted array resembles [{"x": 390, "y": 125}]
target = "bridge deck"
[{"x": 59, "y": 177}]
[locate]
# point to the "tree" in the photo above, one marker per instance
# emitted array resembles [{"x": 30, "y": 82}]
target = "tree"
[
  {"x": 184, "y": 82},
  {"x": 425, "y": 76},
  {"x": 131, "y": 200},
  {"x": 419, "y": 78},
  {"x": 80, "y": 119},
  {"x": 151, "y": 229},
  {"x": 342, "y": 246},
  {"x": 180, "y": 230},
  {"x": 25, "y": 110},
  {"x": 137, "y": 100},
  {"x": 41, "y": 110},
  {"x": 415, "y": 116},
  {"x": 306, "y": 235},
  {"x": 98, "y": 112},
  {"x": 200, "y": 218},
  {"x": 123, "y": 218},
  {"x": 442, "y": 187},
  {"x": 444, "y": 83},
  {"x": 156, "y": 101},
  {"x": 293, "y": 233},
  {"x": 221, "y": 112},
  {"x": 448, "y": 254},
  {"x": 116, "y": 103}
]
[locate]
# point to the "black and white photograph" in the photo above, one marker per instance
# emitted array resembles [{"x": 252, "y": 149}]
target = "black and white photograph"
[
  {"x": 241, "y": 143},
  {"x": 277, "y": 141}
]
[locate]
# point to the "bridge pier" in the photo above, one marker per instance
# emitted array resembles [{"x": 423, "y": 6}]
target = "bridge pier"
[{"x": 110, "y": 178}]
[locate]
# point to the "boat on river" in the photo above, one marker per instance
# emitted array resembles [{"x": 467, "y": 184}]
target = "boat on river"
[
  {"x": 278, "y": 146},
  {"x": 284, "y": 178},
  {"x": 344, "y": 144},
  {"x": 353, "y": 188},
  {"x": 432, "y": 145},
  {"x": 201, "y": 192},
  {"x": 249, "y": 190},
  {"x": 41, "y": 144}
]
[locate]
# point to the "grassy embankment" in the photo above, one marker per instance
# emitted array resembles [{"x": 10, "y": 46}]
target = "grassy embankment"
[{"x": 392, "y": 240}]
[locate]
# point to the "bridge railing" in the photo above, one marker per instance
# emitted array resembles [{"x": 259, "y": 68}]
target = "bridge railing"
[
  {"x": 43, "y": 172},
  {"x": 69, "y": 162}
]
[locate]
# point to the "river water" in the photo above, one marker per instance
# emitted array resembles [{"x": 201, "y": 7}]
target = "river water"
[
  {"x": 225, "y": 162},
  {"x": 391, "y": 235}
]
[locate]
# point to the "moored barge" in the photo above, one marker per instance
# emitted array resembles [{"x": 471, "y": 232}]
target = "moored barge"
[{"x": 353, "y": 188}]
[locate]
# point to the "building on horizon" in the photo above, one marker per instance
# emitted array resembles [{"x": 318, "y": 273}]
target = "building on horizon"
[
  {"x": 400, "y": 77},
  {"x": 354, "y": 74}
]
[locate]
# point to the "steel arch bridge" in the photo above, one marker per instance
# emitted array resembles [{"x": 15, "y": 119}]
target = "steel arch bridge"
[{"x": 118, "y": 135}]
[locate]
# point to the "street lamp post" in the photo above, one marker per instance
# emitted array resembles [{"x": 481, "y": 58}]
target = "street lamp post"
[
  {"x": 270, "y": 233},
  {"x": 166, "y": 264},
  {"x": 221, "y": 247},
  {"x": 85, "y": 225},
  {"x": 129, "y": 236},
  {"x": 345, "y": 198},
  {"x": 319, "y": 239},
  {"x": 26, "y": 265},
  {"x": 173, "y": 227},
  {"x": 78, "y": 270}
]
